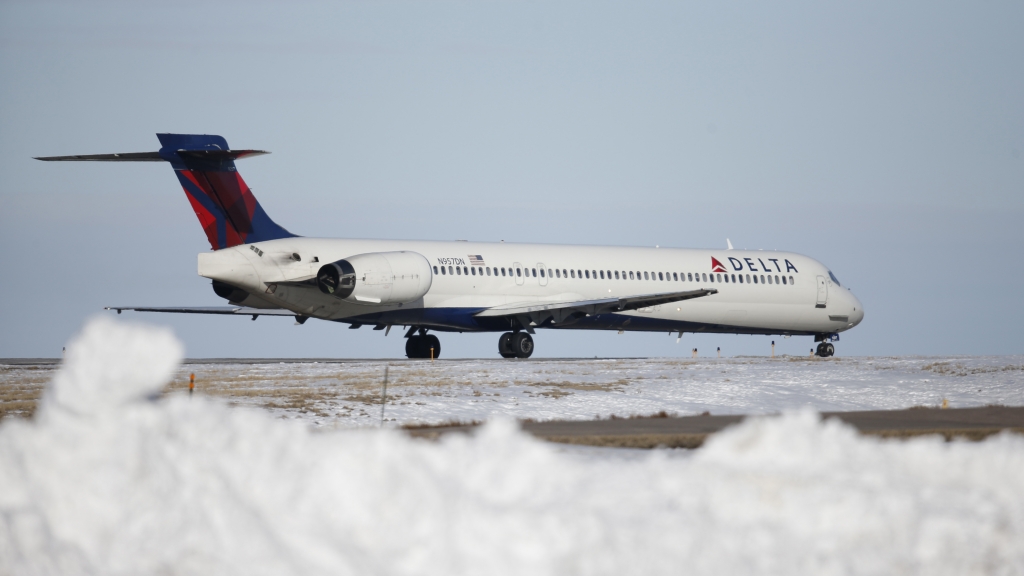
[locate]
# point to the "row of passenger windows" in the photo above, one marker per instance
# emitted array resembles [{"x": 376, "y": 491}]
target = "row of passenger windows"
[{"x": 616, "y": 275}]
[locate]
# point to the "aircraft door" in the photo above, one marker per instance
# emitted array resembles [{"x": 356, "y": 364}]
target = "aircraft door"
[
  {"x": 519, "y": 271},
  {"x": 543, "y": 274},
  {"x": 822, "y": 292}
]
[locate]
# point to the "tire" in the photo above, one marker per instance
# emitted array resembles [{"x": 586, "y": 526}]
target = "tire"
[
  {"x": 431, "y": 341},
  {"x": 414, "y": 347},
  {"x": 820, "y": 350},
  {"x": 522, "y": 345},
  {"x": 505, "y": 346},
  {"x": 829, "y": 350}
]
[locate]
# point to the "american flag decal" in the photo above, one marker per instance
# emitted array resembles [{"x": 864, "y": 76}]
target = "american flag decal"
[{"x": 476, "y": 260}]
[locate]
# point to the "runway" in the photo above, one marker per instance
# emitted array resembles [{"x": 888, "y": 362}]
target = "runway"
[{"x": 692, "y": 431}]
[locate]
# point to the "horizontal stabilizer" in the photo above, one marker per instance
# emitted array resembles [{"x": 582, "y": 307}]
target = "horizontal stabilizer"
[{"x": 155, "y": 156}]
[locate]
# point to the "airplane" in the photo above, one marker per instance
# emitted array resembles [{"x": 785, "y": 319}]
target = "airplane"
[{"x": 261, "y": 269}]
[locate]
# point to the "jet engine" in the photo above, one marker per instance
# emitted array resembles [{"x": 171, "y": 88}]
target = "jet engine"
[{"x": 377, "y": 278}]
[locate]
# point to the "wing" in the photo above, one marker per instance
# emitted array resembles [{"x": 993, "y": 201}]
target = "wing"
[
  {"x": 235, "y": 310},
  {"x": 535, "y": 313}
]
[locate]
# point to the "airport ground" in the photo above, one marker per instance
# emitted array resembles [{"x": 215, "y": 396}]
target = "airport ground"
[{"x": 639, "y": 403}]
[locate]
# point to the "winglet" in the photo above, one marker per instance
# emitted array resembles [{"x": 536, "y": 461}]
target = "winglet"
[{"x": 728, "y": 243}]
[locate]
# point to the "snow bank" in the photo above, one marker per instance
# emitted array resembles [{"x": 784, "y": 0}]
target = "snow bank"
[{"x": 106, "y": 480}]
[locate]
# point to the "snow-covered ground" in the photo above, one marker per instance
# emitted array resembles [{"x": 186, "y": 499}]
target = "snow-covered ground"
[
  {"x": 110, "y": 478},
  {"x": 349, "y": 394}
]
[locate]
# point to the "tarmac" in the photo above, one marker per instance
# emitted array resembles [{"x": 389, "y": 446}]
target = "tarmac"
[{"x": 692, "y": 431}]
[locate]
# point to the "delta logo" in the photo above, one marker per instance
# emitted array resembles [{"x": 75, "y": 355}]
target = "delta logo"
[{"x": 741, "y": 264}]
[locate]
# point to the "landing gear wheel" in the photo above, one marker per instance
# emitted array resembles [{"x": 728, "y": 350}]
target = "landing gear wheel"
[
  {"x": 414, "y": 347},
  {"x": 829, "y": 350},
  {"x": 431, "y": 346},
  {"x": 505, "y": 346},
  {"x": 419, "y": 346},
  {"x": 824, "y": 350},
  {"x": 521, "y": 344}
]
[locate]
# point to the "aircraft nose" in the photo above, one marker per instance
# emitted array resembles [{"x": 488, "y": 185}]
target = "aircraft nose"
[{"x": 857, "y": 313}]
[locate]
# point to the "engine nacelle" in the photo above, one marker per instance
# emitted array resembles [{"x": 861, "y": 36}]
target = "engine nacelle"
[{"x": 377, "y": 278}]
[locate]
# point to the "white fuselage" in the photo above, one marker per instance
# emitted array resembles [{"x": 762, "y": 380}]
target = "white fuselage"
[{"x": 759, "y": 292}]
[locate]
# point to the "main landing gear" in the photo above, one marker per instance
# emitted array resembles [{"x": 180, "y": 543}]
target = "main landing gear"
[
  {"x": 515, "y": 345},
  {"x": 825, "y": 349},
  {"x": 422, "y": 346}
]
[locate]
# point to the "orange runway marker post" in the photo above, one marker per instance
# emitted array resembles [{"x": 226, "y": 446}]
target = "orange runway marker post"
[
  {"x": 773, "y": 349},
  {"x": 191, "y": 384},
  {"x": 431, "y": 353}
]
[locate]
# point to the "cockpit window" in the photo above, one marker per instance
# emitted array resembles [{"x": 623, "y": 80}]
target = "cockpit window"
[{"x": 833, "y": 277}]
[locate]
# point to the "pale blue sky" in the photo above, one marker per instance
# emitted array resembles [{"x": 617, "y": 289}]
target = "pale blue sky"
[{"x": 884, "y": 139}]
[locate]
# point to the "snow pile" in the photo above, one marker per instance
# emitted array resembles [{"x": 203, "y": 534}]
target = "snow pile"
[{"x": 108, "y": 481}]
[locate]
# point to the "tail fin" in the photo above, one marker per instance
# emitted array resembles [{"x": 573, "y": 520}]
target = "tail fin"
[{"x": 205, "y": 166}]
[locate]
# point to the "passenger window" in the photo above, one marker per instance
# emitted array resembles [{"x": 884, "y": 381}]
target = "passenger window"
[
  {"x": 593, "y": 274},
  {"x": 558, "y": 273},
  {"x": 616, "y": 274},
  {"x": 727, "y": 278},
  {"x": 572, "y": 273},
  {"x": 748, "y": 278},
  {"x": 587, "y": 272},
  {"x": 519, "y": 271},
  {"x": 689, "y": 277},
  {"x": 442, "y": 270},
  {"x": 646, "y": 277},
  {"x": 755, "y": 279},
  {"x": 720, "y": 277},
  {"x": 790, "y": 280},
  {"x": 473, "y": 270},
  {"x": 675, "y": 276},
  {"x": 541, "y": 272},
  {"x": 631, "y": 275},
  {"x": 435, "y": 269},
  {"x": 783, "y": 279},
  {"x": 565, "y": 273},
  {"x": 534, "y": 272}
]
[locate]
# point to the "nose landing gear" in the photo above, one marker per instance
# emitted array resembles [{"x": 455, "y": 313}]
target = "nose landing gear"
[
  {"x": 825, "y": 349},
  {"x": 515, "y": 345}
]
